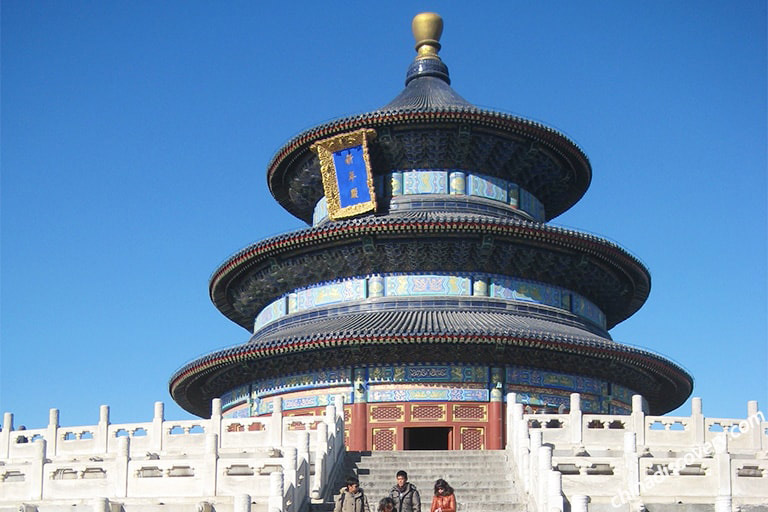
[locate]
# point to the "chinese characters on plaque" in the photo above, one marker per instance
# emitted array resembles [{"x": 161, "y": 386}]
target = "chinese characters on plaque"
[{"x": 346, "y": 171}]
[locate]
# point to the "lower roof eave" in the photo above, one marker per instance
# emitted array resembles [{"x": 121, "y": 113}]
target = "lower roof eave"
[{"x": 664, "y": 384}]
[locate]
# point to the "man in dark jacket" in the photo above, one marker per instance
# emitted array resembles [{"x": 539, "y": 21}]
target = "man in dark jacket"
[
  {"x": 351, "y": 498},
  {"x": 405, "y": 494}
]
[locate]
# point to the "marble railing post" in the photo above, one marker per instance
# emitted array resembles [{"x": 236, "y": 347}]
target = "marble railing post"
[
  {"x": 302, "y": 448},
  {"x": 723, "y": 504},
  {"x": 36, "y": 476},
  {"x": 121, "y": 464},
  {"x": 276, "y": 424},
  {"x": 303, "y": 461},
  {"x": 156, "y": 441},
  {"x": 289, "y": 476},
  {"x": 212, "y": 456},
  {"x": 697, "y": 422},
  {"x": 722, "y": 460},
  {"x": 753, "y": 426},
  {"x": 276, "y": 492},
  {"x": 521, "y": 446},
  {"x": 579, "y": 503},
  {"x": 533, "y": 458},
  {"x": 242, "y": 503},
  {"x": 5, "y": 435},
  {"x": 513, "y": 415},
  {"x": 216, "y": 418},
  {"x": 321, "y": 452},
  {"x": 52, "y": 436},
  {"x": 639, "y": 409},
  {"x": 520, "y": 428},
  {"x": 575, "y": 416},
  {"x": 330, "y": 417},
  {"x": 632, "y": 464},
  {"x": 338, "y": 403},
  {"x": 100, "y": 505},
  {"x": 544, "y": 466},
  {"x": 554, "y": 491},
  {"x": 333, "y": 435},
  {"x": 524, "y": 453},
  {"x": 102, "y": 431}
]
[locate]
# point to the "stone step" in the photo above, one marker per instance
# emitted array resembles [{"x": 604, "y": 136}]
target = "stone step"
[
  {"x": 422, "y": 473},
  {"x": 484, "y": 464},
  {"x": 463, "y": 504},
  {"x": 488, "y": 465},
  {"x": 435, "y": 458},
  {"x": 430, "y": 474},
  {"x": 482, "y": 480},
  {"x": 485, "y": 467},
  {"x": 460, "y": 490},
  {"x": 500, "y": 507},
  {"x": 442, "y": 455},
  {"x": 460, "y": 494},
  {"x": 425, "y": 484},
  {"x": 461, "y": 498},
  {"x": 416, "y": 454}
]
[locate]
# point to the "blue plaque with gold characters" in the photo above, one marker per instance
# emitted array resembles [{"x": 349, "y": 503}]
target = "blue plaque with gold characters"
[{"x": 346, "y": 171}]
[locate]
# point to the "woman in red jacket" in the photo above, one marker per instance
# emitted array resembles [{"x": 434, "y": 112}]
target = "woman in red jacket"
[{"x": 444, "y": 500}]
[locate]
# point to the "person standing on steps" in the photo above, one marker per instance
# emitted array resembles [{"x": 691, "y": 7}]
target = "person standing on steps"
[
  {"x": 405, "y": 494},
  {"x": 351, "y": 498},
  {"x": 444, "y": 499},
  {"x": 387, "y": 505}
]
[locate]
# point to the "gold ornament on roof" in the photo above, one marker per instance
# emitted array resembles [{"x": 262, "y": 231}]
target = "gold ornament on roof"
[{"x": 427, "y": 28}]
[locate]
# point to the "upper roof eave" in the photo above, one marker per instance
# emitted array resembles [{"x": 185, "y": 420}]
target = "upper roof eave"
[
  {"x": 434, "y": 225},
  {"x": 499, "y": 122}
]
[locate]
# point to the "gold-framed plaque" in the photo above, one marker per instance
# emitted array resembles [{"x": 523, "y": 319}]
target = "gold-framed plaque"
[{"x": 346, "y": 171}]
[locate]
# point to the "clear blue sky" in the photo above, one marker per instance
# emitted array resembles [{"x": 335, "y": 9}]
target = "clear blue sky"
[{"x": 135, "y": 139}]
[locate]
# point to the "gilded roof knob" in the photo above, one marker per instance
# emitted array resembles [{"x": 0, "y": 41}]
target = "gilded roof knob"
[{"x": 427, "y": 28}]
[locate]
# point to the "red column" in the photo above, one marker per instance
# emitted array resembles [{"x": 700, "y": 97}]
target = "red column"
[
  {"x": 495, "y": 421},
  {"x": 358, "y": 432}
]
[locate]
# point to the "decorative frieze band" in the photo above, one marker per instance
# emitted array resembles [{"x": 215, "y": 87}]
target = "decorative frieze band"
[
  {"x": 454, "y": 182},
  {"x": 425, "y": 383},
  {"x": 431, "y": 285}
]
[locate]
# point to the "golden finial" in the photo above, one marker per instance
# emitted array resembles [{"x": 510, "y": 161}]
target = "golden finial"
[{"x": 427, "y": 28}]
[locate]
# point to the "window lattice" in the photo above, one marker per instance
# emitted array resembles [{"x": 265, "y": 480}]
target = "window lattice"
[
  {"x": 469, "y": 412},
  {"x": 472, "y": 439},
  {"x": 383, "y": 413},
  {"x": 428, "y": 412},
  {"x": 384, "y": 439}
]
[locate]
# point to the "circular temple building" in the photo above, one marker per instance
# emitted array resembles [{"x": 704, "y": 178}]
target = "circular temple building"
[{"x": 428, "y": 284}]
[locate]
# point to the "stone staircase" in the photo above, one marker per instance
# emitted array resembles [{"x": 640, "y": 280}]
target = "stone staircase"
[{"x": 482, "y": 480}]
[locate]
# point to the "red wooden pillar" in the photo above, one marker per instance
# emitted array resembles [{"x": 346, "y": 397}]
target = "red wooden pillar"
[
  {"x": 495, "y": 421},
  {"x": 495, "y": 412},
  {"x": 358, "y": 432}
]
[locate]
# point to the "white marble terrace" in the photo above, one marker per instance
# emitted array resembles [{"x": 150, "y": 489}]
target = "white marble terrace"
[
  {"x": 625, "y": 463},
  {"x": 226, "y": 465},
  {"x": 573, "y": 461}
]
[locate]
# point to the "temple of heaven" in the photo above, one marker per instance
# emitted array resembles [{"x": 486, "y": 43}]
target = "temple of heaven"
[{"x": 428, "y": 284}]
